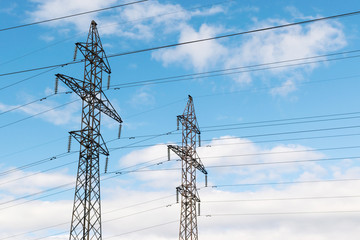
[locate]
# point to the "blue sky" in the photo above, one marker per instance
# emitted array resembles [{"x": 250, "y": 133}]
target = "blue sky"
[{"x": 292, "y": 111}]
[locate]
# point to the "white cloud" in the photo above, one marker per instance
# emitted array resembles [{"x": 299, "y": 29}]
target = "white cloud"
[
  {"x": 20, "y": 182},
  {"x": 285, "y": 44},
  {"x": 48, "y": 110},
  {"x": 138, "y": 21},
  {"x": 59, "y": 8},
  {"x": 300, "y": 41},
  {"x": 143, "y": 97},
  {"x": 200, "y": 56},
  {"x": 139, "y": 200}
]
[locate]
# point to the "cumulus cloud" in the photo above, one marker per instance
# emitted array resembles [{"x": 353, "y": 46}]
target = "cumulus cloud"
[
  {"x": 296, "y": 42},
  {"x": 143, "y": 97},
  {"x": 138, "y": 21},
  {"x": 133, "y": 202},
  {"x": 200, "y": 56},
  {"x": 48, "y": 109}
]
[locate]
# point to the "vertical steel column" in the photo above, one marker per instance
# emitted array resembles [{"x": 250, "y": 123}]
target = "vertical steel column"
[
  {"x": 86, "y": 216},
  {"x": 190, "y": 162}
]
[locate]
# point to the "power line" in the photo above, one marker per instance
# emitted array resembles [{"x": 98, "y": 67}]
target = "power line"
[
  {"x": 70, "y": 16},
  {"x": 290, "y": 132},
  {"x": 111, "y": 211},
  {"x": 28, "y": 165},
  {"x": 195, "y": 41},
  {"x": 280, "y": 199},
  {"x": 281, "y": 183},
  {"x": 279, "y": 213},
  {"x": 239, "y": 33},
  {"x": 252, "y": 142},
  {"x": 284, "y": 119},
  {"x": 37, "y": 114},
  {"x": 283, "y": 152},
  {"x": 143, "y": 169},
  {"x": 142, "y": 229},
  {"x": 28, "y": 78},
  {"x": 26, "y": 104},
  {"x": 37, "y": 173},
  {"x": 122, "y": 23},
  {"x": 220, "y": 72}
]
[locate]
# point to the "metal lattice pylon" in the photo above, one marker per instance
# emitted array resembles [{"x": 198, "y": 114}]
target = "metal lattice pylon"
[
  {"x": 190, "y": 162},
  {"x": 86, "y": 216}
]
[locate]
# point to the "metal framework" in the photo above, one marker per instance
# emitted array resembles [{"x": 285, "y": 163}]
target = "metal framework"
[
  {"x": 86, "y": 216},
  {"x": 190, "y": 162}
]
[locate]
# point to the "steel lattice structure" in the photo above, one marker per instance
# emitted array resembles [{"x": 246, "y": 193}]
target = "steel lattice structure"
[
  {"x": 86, "y": 216},
  {"x": 190, "y": 162}
]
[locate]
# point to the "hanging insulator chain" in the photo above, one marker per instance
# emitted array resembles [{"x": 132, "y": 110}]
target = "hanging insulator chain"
[
  {"x": 56, "y": 85},
  {"x": 75, "y": 52},
  {"x": 108, "y": 82},
  {"x": 69, "y": 144},
  {"x": 206, "y": 180},
  {"x": 177, "y": 195},
  {"x": 198, "y": 208},
  {"x": 177, "y": 123},
  {"x": 119, "y": 134},
  {"x": 106, "y": 164},
  {"x": 168, "y": 154},
  {"x": 199, "y": 140}
]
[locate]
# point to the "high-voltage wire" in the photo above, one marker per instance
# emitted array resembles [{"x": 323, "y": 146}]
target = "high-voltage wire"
[
  {"x": 37, "y": 173},
  {"x": 122, "y": 23},
  {"x": 37, "y": 114},
  {"x": 222, "y": 72},
  {"x": 279, "y": 213},
  {"x": 28, "y": 78},
  {"x": 70, "y": 16},
  {"x": 26, "y": 104},
  {"x": 143, "y": 169},
  {"x": 280, "y": 199},
  {"x": 153, "y": 136},
  {"x": 210, "y": 186},
  {"x": 206, "y": 201},
  {"x": 280, "y": 183},
  {"x": 164, "y": 134},
  {"x": 195, "y": 41},
  {"x": 111, "y": 211},
  {"x": 283, "y": 152}
]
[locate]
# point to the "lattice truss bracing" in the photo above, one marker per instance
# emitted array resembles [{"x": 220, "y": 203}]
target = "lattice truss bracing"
[
  {"x": 190, "y": 162},
  {"x": 86, "y": 216}
]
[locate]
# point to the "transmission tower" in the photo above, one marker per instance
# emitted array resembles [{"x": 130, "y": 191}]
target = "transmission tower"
[
  {"x": 86, "y": 216},
  {"x": 190, "y": 162}
]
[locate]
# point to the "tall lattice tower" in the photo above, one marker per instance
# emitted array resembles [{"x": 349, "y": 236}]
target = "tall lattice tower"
[
  {"x": 86, "y": 216},
  {"x": 190, "y": 162}
]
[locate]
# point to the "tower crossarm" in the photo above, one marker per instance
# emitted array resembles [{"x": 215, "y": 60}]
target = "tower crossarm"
[
  {"x": 184, "y": 191},
  {"x": 85, "y": 50},
  {"x": 82, "y": 139},
  {"x": 182, "y": 152},
  {"x": 76, "y": 85},
  {"x": 106, "y": 107},
  {"x": 92, "y": 98},
  {"x": 185, "y": 122}
]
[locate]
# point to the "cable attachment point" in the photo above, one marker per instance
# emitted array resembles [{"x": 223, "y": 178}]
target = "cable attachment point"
[
  {"x": 75, "y": 52},
  {"x": 69, "y": 143},
  {"x": 119, "y": 134},
  {"x": 108, "y": 82},
  {"x": 106, "y": 164},
  {"x": 177, "y": 195},
  {"x": 198, "y": 208},
  {"x": 56, "y": 85}
]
